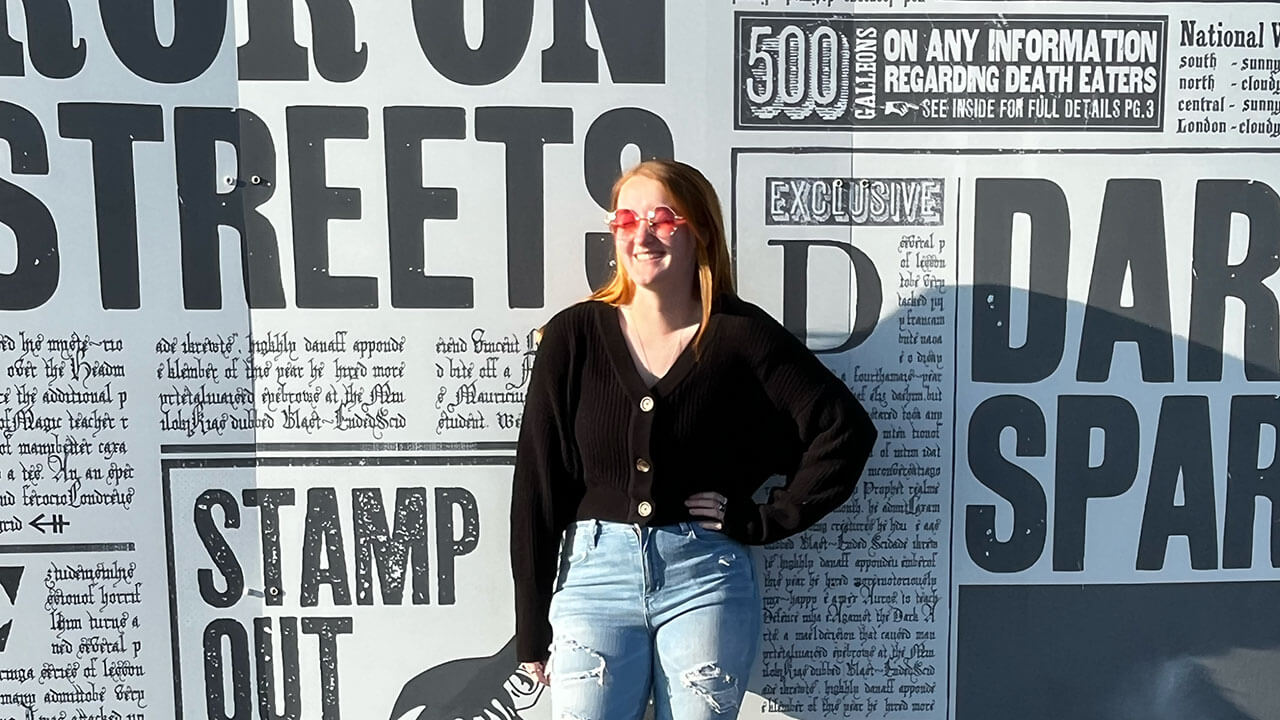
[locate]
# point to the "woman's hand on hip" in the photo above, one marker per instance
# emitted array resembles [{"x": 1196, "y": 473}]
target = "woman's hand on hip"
[
  {"x": 708, "y": 505},
  {"x": 536, "y": 670}
]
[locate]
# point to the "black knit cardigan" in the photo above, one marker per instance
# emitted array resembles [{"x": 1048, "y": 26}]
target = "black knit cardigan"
[{"x": 595, "y": 442}]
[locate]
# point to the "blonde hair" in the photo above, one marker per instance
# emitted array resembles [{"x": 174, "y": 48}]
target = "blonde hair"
[{"x": 695, "y": 200}]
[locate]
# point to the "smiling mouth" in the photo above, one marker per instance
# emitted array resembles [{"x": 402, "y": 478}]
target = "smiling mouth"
[{"x": 649, "y": 255}]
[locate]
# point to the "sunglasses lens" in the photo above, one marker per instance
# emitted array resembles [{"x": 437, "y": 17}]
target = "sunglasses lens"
[
  {"x": 624, "y": 221},
  {"x": 663, "y": 221}
]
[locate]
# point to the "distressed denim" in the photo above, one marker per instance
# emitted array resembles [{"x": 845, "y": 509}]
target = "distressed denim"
[{"x": 672, "y": 610}]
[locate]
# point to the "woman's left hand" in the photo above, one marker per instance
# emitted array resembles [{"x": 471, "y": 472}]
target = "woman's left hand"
[{"x": 709, "y": 505}]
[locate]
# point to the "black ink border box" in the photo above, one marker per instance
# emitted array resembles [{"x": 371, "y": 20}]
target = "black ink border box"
[
  {"x": 837, "y": 194},
  {"x": 299, "y": 454},
  {"x": 804, "y": 119},
  {"x": 1117, "y": 651}
]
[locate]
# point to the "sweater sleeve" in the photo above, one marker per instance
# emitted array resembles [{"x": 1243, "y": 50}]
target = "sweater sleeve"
[
  {"x": 828, "y": 438},
  {"x": 542, "y": 491}
]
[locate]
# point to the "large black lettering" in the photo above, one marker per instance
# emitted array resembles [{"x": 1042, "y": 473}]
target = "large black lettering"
[
  {"x": 215, "y": 671},
  {"x": 450, "y": 543},
  {"x": 220, "y": 552},
  {"x": 409, "y": 203},
  {"x": 55, "y": 52},
  {"x": 290, "y": 674},
  {"x": 632, "y": 35},
  {"x": 202, "y": 209},
  {"x": 322, "y": 531},
  {"x": 1214, "y": 280},
  {"x": 198, "y": 29},
  {"x": 314, "y": 204},
  {"x": 1246, "y": 482},
  {"x": 272, "y": 53},
  {"x": 1012, "y": 483},
  {"x": 327, "y": 630},
  {"x": 35, "y": 276},
  {"x": 608, "y": 136},
  {"x": 1076, "y": 479},
  {"x": 1130, "y": 237},
  {"x": 996, "y": 202},
  {"x": 392, "y": 551},
  {"x": 1183, "y": 450},
  {"x": 795, "y": 290},
  {"x": 524, "y": 132},
  {"x": 268, "y": 502},
  {"x": 507, "y": 24},
  {"x": 112, "y": 130}
]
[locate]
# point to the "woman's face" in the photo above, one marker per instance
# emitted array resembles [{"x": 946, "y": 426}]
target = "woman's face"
[{"x": 651, "y": 261}]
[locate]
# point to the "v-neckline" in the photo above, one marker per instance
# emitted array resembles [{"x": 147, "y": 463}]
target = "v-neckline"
[{"x": 624, "y": 364}]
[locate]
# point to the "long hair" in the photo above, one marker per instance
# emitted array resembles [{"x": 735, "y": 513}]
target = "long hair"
[{"x": 695, "y": 200}]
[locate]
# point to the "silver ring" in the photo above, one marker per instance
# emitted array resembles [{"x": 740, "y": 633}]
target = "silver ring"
[{"x": 722, "y": 507}]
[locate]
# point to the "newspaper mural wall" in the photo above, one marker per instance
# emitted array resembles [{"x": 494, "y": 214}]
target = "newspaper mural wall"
[{"x": 270, "y": 272}]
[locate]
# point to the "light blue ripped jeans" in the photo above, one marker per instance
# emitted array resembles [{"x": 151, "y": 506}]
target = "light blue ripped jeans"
[{"x": 672, "y": 610}]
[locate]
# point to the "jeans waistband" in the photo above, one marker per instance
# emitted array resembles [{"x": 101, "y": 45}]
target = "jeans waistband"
[{"x": 590, "y": 530}]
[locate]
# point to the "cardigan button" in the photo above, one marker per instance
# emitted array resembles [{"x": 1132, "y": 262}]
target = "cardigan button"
[
  {"x": 646, "y": 404},
  {"x": 643, "y": 465},
  {"x": 645, "y": 509}
]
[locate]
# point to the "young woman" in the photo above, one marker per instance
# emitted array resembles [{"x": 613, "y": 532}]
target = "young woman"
[{"x": 656, "y": 408}]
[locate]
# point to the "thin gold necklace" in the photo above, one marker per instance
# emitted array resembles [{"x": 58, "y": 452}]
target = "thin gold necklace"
[{"x": 681, "y": 341}]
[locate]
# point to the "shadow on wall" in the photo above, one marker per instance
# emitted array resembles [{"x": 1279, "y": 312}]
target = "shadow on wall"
[
  {"x": 1148, "y": 649},
  {"x": 1139, "y": 651}
]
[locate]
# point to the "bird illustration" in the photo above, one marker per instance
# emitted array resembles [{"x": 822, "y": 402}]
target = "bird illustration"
[{"x": 468, "y": 688}]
